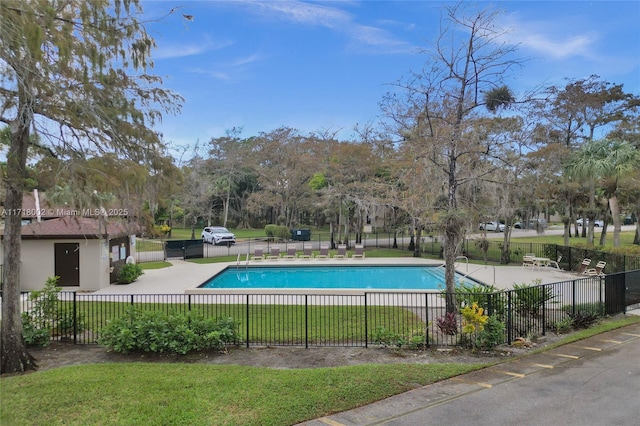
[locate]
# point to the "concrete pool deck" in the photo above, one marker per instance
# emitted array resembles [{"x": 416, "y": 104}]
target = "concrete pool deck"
[{"x": 183, "y": 277}]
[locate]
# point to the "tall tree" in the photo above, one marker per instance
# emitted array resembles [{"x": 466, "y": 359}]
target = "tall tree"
[
  {"x": 441, "y": 105},
  {"x": 73, "y": 72},
  {"x": 607, "y": 162}
]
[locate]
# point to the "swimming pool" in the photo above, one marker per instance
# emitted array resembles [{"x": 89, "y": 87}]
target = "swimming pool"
[{"x": 330, "y": 277}]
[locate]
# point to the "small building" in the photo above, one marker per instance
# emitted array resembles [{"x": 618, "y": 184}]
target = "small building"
[{"x": 85, "y": 252}]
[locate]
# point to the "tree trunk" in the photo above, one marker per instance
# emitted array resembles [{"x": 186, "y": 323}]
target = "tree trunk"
[
  {"x": 617, "y": 223},
  {"x": 15, "y": 357},
  {"x": 450, "y": 245},
  {"x": 226, "y": 208}
]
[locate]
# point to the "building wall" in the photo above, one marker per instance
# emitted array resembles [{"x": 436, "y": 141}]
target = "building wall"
[{"x": 38, "y": 263}]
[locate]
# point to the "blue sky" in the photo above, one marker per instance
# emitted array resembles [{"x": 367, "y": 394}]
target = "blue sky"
[{"x": 325, "y": 65}]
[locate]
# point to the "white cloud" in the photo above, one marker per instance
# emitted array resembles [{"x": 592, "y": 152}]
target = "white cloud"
[
  {"x": 379, "y": 39},
  {"x": 550, "y": 38},
  {"x": 189, "y": 49},
  {"x": 301, "y": 13},
  {"x": 333, "y": 19}
]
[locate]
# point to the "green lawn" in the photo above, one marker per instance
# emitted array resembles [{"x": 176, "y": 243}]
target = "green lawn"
[
  {"x": 277, "y": 324},
  {"x": 626, "y": 239},
  {"x": 201, "y": 394},
  {"x": 197, "y": 394}
]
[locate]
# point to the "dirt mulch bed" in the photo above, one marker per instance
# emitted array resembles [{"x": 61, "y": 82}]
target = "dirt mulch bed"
[{"x": 60, "y": 354}]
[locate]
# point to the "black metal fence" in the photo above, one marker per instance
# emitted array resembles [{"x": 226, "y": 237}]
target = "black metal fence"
[
  {"x": 356, "y": 320},
  {"x": 570, "y": 257}
]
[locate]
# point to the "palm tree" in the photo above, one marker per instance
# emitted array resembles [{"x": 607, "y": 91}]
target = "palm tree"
[{"x": 608, "y": 162}]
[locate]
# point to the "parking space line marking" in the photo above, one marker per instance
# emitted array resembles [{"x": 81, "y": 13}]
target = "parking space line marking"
[
  {"x": 567, "y": 356},
  {"x": 590, "y": 348},
  {"x": 617, "y": 342},
  {"x": 543, "y": 365},
  {"x": 519, "y": 375},
  {"x": 632, "y": 334},
  {"x": 330, "y": 422},
  {"x": 470, "y": 382}
]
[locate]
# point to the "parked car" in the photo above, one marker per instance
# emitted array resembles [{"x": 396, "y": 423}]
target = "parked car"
[
  {"x": 217, "y": 235},
  {"x": 597, "y": 223},
  {"x": 492, "y": 226},
  {"x": 629, "y": 220},
  {"x": 531, "y": 224}
]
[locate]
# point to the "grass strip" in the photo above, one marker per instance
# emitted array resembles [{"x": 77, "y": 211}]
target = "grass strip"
[{"x": 141, "y": 393}]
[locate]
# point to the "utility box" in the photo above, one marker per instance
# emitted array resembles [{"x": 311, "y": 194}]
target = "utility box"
[{"x": 301, "y": 234}]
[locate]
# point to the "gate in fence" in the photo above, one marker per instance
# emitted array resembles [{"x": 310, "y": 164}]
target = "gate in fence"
[{"x": 185, "y": 249}]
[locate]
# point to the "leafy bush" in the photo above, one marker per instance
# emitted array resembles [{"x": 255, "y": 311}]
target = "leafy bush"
[
  {"x": 485, "y": 296},
  {"x": 32, "y": 334},
  {"x": 270, "y": 230},
  {"x": 596, "y": 308},
  {"x": 45, "y": 318},
  {"x": 159, "y": 332},
  {"x": 129, "y": 272},
  {"x": 562, "y": 326},
  {"x": 529, "y": 300},
  {"x": 473, "y": 323},
  {"x": 160, "y": 230},
  {"x": 448, "y": 323},
  {"x": 277, "y": 232},
  {"x": 583, "y": 319},
  {"x": 387, "y": 338},
  {"x": 492, "y": 335}
]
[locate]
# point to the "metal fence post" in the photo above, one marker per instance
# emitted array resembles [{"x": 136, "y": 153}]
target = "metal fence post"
[
  {"x": 573, "y": 297},
  {"x": 75, "y": 320},
  {"x": 544, "y": 311},
  {"x": 509, "y": 319},
  {"x": 366, "y": 322},
  {"x": 306, "y": 321},
  {"x": 247, "y": 320}
]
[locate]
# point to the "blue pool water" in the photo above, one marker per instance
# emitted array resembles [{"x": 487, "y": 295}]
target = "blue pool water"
[{"x": 330, "y": 277}]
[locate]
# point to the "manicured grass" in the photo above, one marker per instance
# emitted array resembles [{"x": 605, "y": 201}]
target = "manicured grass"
[
  {"x": 200, "y": 394},
  {"x": 155, "y": 265},
  {"x": 381, "y": 252},
  {"x": 276, "y": 324},
  {"x": 626, "y": 239},
  {"x": 197, "y": 394},
  {"x": 601, "y": 327}
]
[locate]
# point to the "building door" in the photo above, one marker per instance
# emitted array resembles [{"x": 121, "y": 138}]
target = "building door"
[{"x": 67, "y": 264}]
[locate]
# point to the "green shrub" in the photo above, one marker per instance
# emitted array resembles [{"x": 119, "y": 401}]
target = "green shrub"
[
  {"x": 386, "y": 338},
  {"x": 529, "y": 300},
  {"x": 283, "y": 233},
  {"x": 583, "y": 319},
  {"x": 159, "y": 332},
  {"x": 562, "y": 326},
  {"x": 277, "y": 232},
  {"x": 486, "y": 296},
  {"x": 270, "y": 230},
  {"x": 32, "y": 334},
  {"x": 492, "y": 335},
  {"x": 129, "y": 272},
  {"x": 45, "y": 317}
]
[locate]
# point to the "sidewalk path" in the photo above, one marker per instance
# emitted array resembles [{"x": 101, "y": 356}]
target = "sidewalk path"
[{"x": 595, "y": 381}]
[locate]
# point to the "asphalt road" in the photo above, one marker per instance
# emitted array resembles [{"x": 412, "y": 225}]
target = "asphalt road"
[{"x": 592, "y": 382}]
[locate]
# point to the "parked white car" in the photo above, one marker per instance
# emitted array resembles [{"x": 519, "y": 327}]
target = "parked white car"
[
  {"x": 492, "y": 226},
  {"x": 217, "y": 235},
  {"x": 597, "y": 223}
]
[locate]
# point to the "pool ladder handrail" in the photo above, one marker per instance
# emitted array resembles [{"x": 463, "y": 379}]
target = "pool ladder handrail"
[
  {"x": 477, "y": 269},
  {"x": 246, "y": 263}
]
